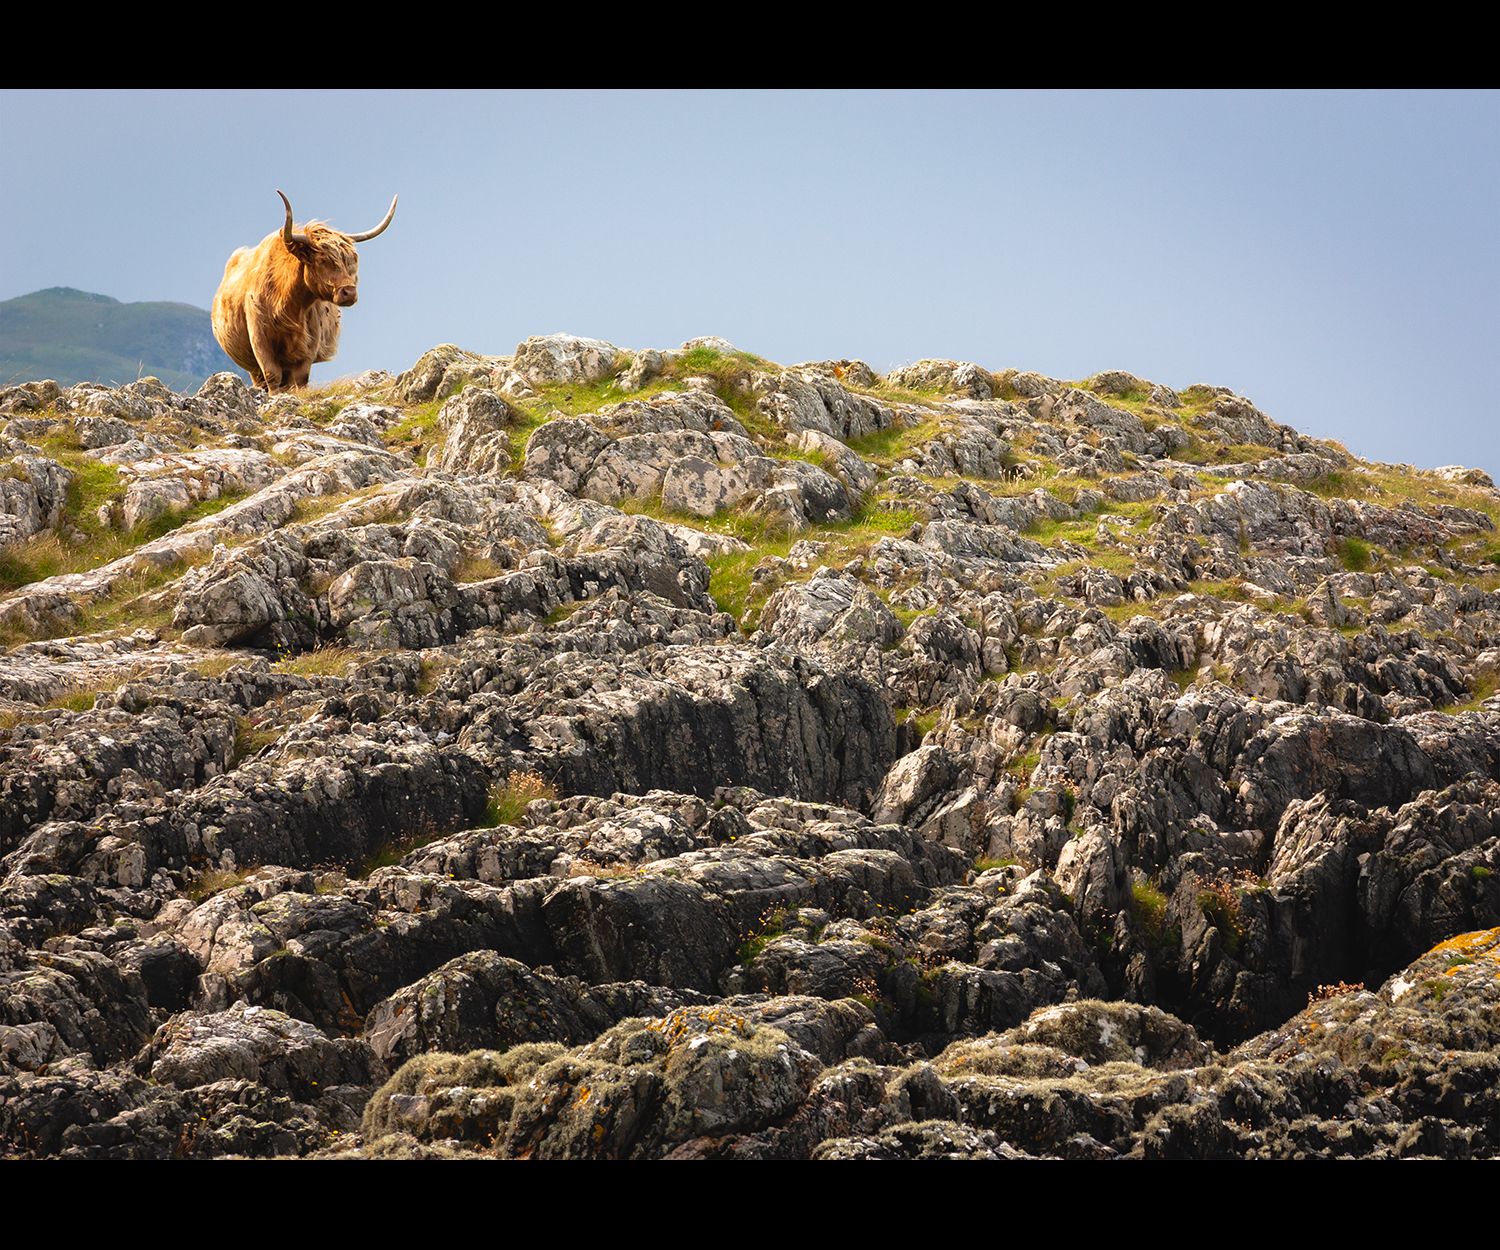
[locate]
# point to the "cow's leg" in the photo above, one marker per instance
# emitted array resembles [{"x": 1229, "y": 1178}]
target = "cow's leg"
[
  {"x": 264, "y": 348},
  {"x": 297, "y": 375}
]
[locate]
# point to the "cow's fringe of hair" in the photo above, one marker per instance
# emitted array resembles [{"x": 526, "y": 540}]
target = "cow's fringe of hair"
[{"x": 286, "y": 269}]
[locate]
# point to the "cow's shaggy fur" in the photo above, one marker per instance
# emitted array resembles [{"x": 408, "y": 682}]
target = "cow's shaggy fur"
[{"x": 276, "y": 312}]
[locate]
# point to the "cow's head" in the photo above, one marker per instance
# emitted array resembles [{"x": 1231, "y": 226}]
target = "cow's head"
[{"x": 330, "y": 266}]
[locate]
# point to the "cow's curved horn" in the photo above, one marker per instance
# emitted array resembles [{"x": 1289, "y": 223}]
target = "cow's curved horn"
[
  {"x": 370, "y": 234},
  {"x": 288, "y": 235}
]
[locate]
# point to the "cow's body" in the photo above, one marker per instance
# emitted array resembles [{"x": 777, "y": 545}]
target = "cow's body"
[
  {"x": 276, "y": 312},
  {"x": 276, "y": 335}
]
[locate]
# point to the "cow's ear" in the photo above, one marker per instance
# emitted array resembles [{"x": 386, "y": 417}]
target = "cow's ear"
[{"x": 299, "y": 249}]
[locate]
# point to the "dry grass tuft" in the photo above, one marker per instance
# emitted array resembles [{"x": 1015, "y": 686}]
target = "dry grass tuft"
[{"x": 509, "y": 798}]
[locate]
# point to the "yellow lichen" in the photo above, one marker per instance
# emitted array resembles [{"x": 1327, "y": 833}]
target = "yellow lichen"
[{"x": 1481, "y": 941}]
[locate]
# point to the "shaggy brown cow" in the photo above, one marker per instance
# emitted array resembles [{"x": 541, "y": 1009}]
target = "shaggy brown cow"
[{"x": 277, "y": 310}]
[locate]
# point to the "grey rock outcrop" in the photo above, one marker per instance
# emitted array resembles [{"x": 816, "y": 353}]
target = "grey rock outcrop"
[{"x": 666, "y": 754}]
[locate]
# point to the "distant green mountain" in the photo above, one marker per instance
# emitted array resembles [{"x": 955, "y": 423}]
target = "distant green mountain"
[{"x": 74, "y": 336}]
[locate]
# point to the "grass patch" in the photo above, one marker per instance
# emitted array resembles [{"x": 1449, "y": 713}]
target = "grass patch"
[
  {"x": 217, "y": 666},
  {"x": 508, "y": 799},
  {"x": 1066, "y": 487},
  {"x": 48, "y": 555},
  {"x": 1210, "y": 452},
  {"x": 93, "y": 485},
  {"x": 58, "y": 443},
  {"x": 321, "y": 409},
  {"x": 315, "y": 507},
  {"x": 430, "y": 672},
  {"x": 132, "y": 602},
  {"x": 90, "y": 542},
  {"x": 817, "y": 457},
  {"x": 985, "y": 863},
  {"x": 215, "y": 881},
  {"x": 1123, "y": 613},
  {"x": 564, "y": 611},
  {"x": 772, "y": 926},
  {"x": 1150, "y": 908},
  {"x": 1392, "y": 486},
  {"x": 1483, "y": 689},
  {"x": 1084, "y": 529},
  {"x": 1196, "y": 400},
  {"x": 1232, "y": 590},
  {"x": 730, "y": 373},
  {"x": 872, "y": 519},
  {"x": 1153, "y": 415},
  {"x": 476, "y": 569},
  {"x": 574, "y": 399},
  {"x": 583, "y": 866},
  {"x": 1047, "y": 531},
  {"x": 1131, "y": 398},
  {"x": 250, "y": 738},
  {"x": 1239, "y": 453},
  {"x": 1334, "y": 485},
  {"x": 732, "y": 582},
  {"x": 415, "y": 432},
  {"x": 897, "y": 442},
  {"x": 75, "y": 699},
  {"x": 1026, "y": 765},
  {"x": 725, "y": 368},
  {"x": 321, "y": 661},
  {"x": 749, "y": 527},
  {"x": 923, "y": 722},
  {"x": 889, "y": 391},
  {"x": 905, "y": 615},
  {"x": 170, "y": 521},
  {"x": 1120, "y": 563},
  {"x": 1221, "y": 905},
  {"x": 1483, "y": 553},
  {"x": 1353, "y": 554}
]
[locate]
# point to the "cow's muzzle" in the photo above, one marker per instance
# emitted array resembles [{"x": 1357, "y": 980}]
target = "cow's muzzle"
[{"x": 345, "y": 297}]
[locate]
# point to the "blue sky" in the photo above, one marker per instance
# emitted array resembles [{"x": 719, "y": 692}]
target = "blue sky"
[{"x": 1334, "y": 256}]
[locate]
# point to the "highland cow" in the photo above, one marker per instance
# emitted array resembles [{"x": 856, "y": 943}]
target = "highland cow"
[{"x": 276, "y": 312}]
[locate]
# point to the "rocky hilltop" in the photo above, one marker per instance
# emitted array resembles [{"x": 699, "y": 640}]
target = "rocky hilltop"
[{"x": 587, "y": 753}]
